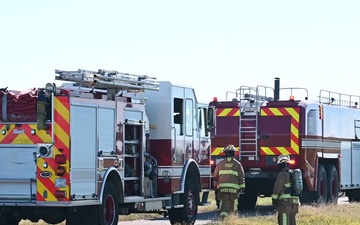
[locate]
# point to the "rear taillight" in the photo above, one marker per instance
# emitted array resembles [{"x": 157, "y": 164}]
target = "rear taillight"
[
  {"x": 60, "y": 159},
  {"x": 60, "y": 171},
  {"x": 60, "y": 194}
]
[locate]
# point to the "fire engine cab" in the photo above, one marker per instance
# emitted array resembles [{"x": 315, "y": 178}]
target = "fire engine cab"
[
  {"x": 321, "y": 136},
  {"x": 105, "y": 144}
]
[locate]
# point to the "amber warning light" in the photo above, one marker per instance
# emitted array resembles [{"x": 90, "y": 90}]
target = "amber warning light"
[{"x": 292, "y": 162}]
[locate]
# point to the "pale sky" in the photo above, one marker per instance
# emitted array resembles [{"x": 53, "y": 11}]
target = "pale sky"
[{"x": 214, "y": 46}]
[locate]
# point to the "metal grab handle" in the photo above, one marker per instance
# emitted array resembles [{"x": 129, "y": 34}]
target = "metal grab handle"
[{"x": 174, "y": 156}]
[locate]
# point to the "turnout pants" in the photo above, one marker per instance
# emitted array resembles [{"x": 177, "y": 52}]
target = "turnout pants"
[
  {"x": 228, "y": 198},
  {"x": 287, "y": 211}
]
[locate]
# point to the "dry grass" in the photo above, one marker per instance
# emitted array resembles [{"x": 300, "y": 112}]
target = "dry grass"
[{"x": 346, "y": 214}]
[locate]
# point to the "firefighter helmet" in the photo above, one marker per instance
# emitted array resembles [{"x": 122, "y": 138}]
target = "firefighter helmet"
[
  {"x": 283, "y": 158},
  {"x": 229, "y": 148}
]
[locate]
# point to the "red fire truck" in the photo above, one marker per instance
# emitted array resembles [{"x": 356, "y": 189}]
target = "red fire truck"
[
  {"x": 109, "y": 144},
  {"x": 321, "y": 137}
]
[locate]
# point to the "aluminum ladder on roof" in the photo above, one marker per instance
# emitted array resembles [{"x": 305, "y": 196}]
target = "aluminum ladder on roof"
[
  {"x": 248, "y": 122},
  {"x": 110, "y": 80},
  {"x": 250, "y": 102}
]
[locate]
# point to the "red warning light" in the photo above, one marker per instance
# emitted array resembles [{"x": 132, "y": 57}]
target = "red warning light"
[
  {"x": 291, "y": 98},
  {"x": 215, "y": 99}
]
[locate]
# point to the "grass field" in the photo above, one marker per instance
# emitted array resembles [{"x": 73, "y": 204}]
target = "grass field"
[{"x": 345, "y": 214}]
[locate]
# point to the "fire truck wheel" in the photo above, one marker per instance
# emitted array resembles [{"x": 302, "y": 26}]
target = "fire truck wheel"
[
  {"x": 54, "y": 220},
  {"x": 54, "y": 216},
  {"x": 322, "y": 186},
  {"x": 247, "y": 201},
  {"x": 109, "y": 210},
  {"x": 12, "y": 221},
  {"x": 333, "y": 184},
  {"x": 190, "y": 198}
]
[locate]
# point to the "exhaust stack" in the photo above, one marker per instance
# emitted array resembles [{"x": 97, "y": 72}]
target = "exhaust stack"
[{"x": 277, "y": 89}]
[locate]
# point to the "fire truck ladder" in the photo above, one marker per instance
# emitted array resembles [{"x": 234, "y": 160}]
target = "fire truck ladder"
[
  {"x": 248, "y": 122},
  {"x": 249, "y": 105},
  {"x": 110, "y": 80}
]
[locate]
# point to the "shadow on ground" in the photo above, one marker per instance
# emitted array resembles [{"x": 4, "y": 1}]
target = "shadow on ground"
[{"x": 211, "y": 216}]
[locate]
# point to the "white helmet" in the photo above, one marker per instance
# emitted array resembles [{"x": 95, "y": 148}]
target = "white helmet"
[
  {"x": 230, "y": 148},
  {"x": 283, "y": 158}
]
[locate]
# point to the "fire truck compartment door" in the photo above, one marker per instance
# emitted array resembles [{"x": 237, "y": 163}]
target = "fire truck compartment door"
[
  {"x": 84, "y": 145},
  {"x": 17, "y": 172},
  {"x": 279, "y": 131}
]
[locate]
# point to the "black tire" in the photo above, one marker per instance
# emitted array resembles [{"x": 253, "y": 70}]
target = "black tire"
[
  {"x": 322, "y": 186},
  {"x": 53, "y": 221},
  {"x": 174, "y": 216},
  {"x": 109, "y": 209},
  {"x": 83, "y": 215},
  {"x": 54, "y": 216},
  {"x": 190, "y": 200},
  {"x": 307, "y": 197},
  {"x": 247, "y": 201},
  {"x": 12, "y": 220},
  {"x": 333, "y": 184}
]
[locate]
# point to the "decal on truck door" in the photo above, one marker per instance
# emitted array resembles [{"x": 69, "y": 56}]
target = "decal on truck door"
[{"x": 293, "y": 146}]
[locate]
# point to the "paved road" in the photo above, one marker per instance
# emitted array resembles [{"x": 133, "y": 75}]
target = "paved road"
[{"x": 204, "y": 218}]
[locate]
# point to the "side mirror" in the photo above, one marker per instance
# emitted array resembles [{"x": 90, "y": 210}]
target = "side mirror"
[{"x": 211, "y": 118}]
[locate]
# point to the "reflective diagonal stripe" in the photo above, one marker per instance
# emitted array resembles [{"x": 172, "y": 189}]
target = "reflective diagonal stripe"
[
  {"x": 294, "y": 130},
  {"x": 221, "y": 112},
  {"x": 228, "y": 172},
  {"x": 46, "y": 185},
  {"x": 216, "y": 151},
  {"x": 24, "y": 134},
  {"x": 229, "y": 185}
]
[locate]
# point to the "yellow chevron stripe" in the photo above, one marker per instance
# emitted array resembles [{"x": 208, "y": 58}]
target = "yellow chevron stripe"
[
  {"x": 217, "y": 151},
  {"x": 61, "y": 134},
  {"x": 276, "y": 111},
  {"x": 8, "y": 132},
  {"x": 43, "y": 135},
  {"x": 283, "y": 150},
  {"x": 64, "y": 112},
  {"x": 237, "y": 113},
  {"x": 22, "y": 139},
  {"x": 262, "y": 113},
  {"x": 267, "y": 151},
  {"x": 294, "y": 146},
  {"x": 293, "y": 113},
  {"x": 294, "y": 130},
  {"x": 224, "y": 112}
]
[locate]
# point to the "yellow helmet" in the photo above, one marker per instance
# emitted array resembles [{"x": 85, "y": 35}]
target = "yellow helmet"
[
  {"x": 283, "y": 158},
  {"x": 229, "y": 148}
]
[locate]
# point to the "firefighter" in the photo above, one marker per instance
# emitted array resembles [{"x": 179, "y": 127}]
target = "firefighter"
[
  {"x": 229, "y": 180},
  {"x": 287, "y": 206}
]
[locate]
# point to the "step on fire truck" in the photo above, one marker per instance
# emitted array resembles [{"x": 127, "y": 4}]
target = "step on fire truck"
[
  {"x": 321, "y": 136},
  {"x": 109, "y": 144}
]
